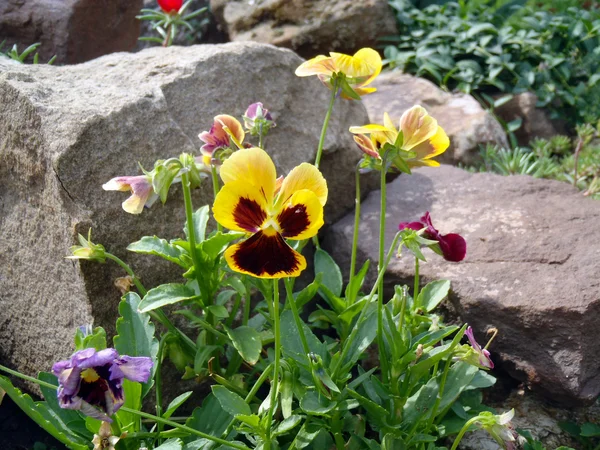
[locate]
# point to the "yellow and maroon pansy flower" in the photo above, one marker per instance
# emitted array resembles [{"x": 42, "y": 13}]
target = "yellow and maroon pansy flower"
[
  {"x": 359, "y": 69},
  {"x": 421, "y": 136},
  {"x": 253, "y": 200}
]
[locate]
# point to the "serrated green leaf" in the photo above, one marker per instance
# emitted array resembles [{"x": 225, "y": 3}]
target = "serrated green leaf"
[
  {"x": 247, "y": 342},
  {"x": 152, "y": 245},
  {"x": 230, "y": 401},
  {"x": 135, "y": 334},
  {"x": 166, "y": 294}
]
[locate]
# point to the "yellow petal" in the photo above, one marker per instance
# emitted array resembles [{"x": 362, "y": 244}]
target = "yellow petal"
[
  {"x": 302, "y": 217},
  {"x": 367, "y": 129},
  {"x": 134, "y": 204},
  {"x": 365, "y": 64},
  {"x": 319, "y": 65},
  {"x": 417, "y": 126},
  {"x": 265, "y": 255},
  {"x": 240, "y": 206},
  {"x": 304, "y": 176},
  {"x": 435, "y": 146},
  {"x": 232, "y": 127},
  {"x": 252, "y": 166},
  {"x": 367, "y": 145}
]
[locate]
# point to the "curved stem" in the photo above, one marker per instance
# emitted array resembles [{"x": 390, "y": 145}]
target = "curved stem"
[
  {"x": 383, "y": 361},
  {"x": 325, "y": 124},
  {"x": 362, "y": 314},
  {"x": 138, "y": 284},
  {"x": 356, "y": 223},
  {"x": 438, "y": 400},
  {"x": 274, "y": 384},
  {"x": 292, "y": 302},
  {"x": 416, "y": 285},
  {"x": 463, "y": 430},
  {"x": 158, "y": 381}
]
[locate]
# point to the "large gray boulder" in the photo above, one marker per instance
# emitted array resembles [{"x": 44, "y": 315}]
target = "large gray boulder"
[
  {"x": 64, "y": 131},
  {"x": 467, "y": 124},
  {"x": 531, "y": 269},
  {"x": 73, "y": 30},
  {"x": 309, "y": 27}
]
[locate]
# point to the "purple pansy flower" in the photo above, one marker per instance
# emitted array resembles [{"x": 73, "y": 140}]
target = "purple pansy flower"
[
  {"x": 256, "y": 111},
  {"x": 452, "y": 245},
  {"x": 484, "y": 359},
  {"x": 224, "y": 129},
  {"x": 92, "y": 381}
]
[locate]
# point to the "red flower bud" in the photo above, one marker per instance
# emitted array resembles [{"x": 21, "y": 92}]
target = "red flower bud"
[{"x": 170, "y": 6}]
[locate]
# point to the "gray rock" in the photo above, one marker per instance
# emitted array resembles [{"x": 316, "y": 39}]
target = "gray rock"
[
  {"x": 467, "y": 124},
  {"x": 531, "y": 268},
  {"x": 73, "y": 30},
  {"x": 64, "y": 131},
  {"x": 309, "y": 27},
  {"x": 536, "y": 121}
]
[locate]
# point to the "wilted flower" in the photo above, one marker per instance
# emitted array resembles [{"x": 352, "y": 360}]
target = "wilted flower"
[
  {"x": 257, "y": 119},
  {"x": 224, "y": 131},
  {"x": 170, "y": 6},
  {"x": 87, "y": 249},
  {"x": 249, "y": 202},
  {"x": 92, "y": 381},
  {"x": 473, "y": 353},
  {"x": 142, "y": 192},
  {"x": 499, "y": 427},
  {"x": 358, "y": 70},
  {"x": 419, "y": 136},
  {"x": 105, "y": 440},
  {"x": 453, "y": 247}
]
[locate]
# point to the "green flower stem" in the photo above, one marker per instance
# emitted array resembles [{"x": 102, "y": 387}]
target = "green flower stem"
[
  {"x": 138, "y": 413},
  {"x": 292, "y": 302},
  {"x": 356, "y": 224},
  {"x": 274, "y": 384},
  {"x": 416, "y": 285},
  {"x": 326, "y": 124},
  {"x": 463, "y": 430},
  {"x": 158, "y": 380},
  {"x": 185, "y": 428},
  {"x": 216, "y": 187},
  {"x": 261, "y": 136},
  {"x": 438, "y": 400},
  {"x": 138, "y": 284},
  {"x": 247, "y": 301},
  {"x": 156, "y": 315},
  {"x": 383, "y": 360},
  {"x": 354, "y": 331}
]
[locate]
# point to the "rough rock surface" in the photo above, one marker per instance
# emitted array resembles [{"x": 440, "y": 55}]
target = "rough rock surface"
[
  {"x": 73, "y": 30},
  {"x": 536, "y": 121},
  {"x": 467, "y": 124},
  {"x": 309, "y": 27},
  {"x": 64, "y": 131},
  {"x": 531, "y": 268}
]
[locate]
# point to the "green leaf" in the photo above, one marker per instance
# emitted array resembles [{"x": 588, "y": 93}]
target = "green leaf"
[
  {"x": 376, "y": 413},
  {"x": 166, "y": 294},
  {"x": 314, "y": 403},
  {"x": 287, "y": 425},
  {"x": 135, "y": 334},
  {"x": 170, "y": 444},
  {"x": 433, "y": 294},
  {"x": 218, "y": 311},
  {"x": 418, "y": 406},
  {"x": 211, "y": 418},
  {"x": 218, "y": 243},
  {"x": 590, "y": 430},
  {"x": 292, "y": 344},
  {"x": 41, "y": 414},
  {"x": 200, "y": 219},
  {"x": 482, "y": 380},
  {"x": 332, "y": 275},
  {"x": 459, "y": 377},
  {"x": 231, "y": 402},
  {"x": 176, "y": 403},
  {"x": 356, "y": 283},
  {"x": 162, "y": 179},
  {"x": 202, "y": 355},
  {"x": 132, "y": 392},
  {"x": 367, "y": 331},
  {"x": 308, "y": 293},
  {"x": 152, "y": 245},
  {"x": 96, "y": 339},
  {"x": 347, "y": 89},
  {"x": 247, "y": 342}
]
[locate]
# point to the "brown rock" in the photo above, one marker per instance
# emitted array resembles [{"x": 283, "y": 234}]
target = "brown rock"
[
  {"x": 309, "y": 27},
  {"x": 64, "y": 131},
  {"x": 467, "y": 124},
  {"x": 73, "y": 30},
  {"x": 531, "y": 268}
]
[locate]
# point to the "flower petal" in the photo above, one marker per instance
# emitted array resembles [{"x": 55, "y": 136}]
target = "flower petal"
[
  {"x": 364, "y": 65},
  {"x": 319, "y": 65},
  {"x": 85, "y": 360},
  {"x": 133, "y": 368},
  {"x": 368, "y": 129},
  {"x": 251, "y": 166},
  {"x": 453, "y": 246},
  {"x": 430, "y": 148},
  {"x": 366, "y": 145},
  {"x": 304, "y": 176},
  {"x": 265, "y": 256},
  {"x": 417, "y": 126},
  {"x": 240, "y": 206},
  {"x": 232, "y": 127},
  {"x": 302, "y": 217}
]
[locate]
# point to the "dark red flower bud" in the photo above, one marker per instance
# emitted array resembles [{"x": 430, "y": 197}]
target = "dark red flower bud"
[{"x": 170, "y": 6}]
